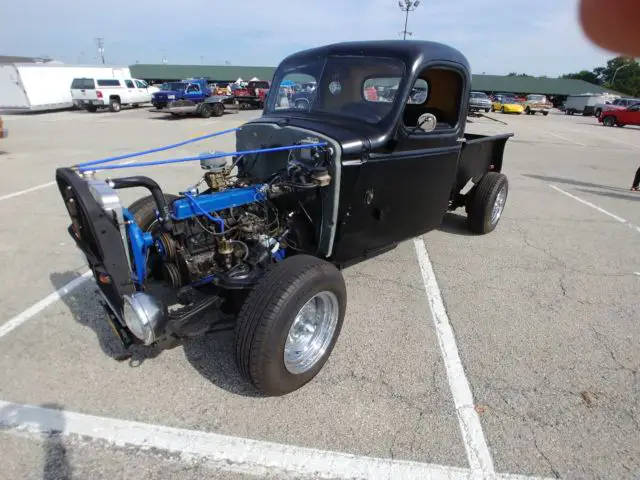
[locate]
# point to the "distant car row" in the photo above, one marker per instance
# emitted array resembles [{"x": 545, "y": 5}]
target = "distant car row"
[{"x": 509, "y": 103}]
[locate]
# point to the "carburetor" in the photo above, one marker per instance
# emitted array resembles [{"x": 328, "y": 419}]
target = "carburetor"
[{"x": 215, "y": 172}]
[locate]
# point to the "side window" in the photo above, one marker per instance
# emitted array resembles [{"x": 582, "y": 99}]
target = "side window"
[
  {"x": 437, "y": 91},
  {"x": 141, "y": 84},
  {"x": 129, "y": 84},
  {"x": 193, "y": 89},
  {"x": 108, "y": 83}
]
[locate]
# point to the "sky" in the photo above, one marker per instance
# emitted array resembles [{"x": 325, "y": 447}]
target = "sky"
[{"x": 540, "y": 37}]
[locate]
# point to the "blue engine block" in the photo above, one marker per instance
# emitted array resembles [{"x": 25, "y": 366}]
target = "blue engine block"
[{"x": 183, "y": 208}]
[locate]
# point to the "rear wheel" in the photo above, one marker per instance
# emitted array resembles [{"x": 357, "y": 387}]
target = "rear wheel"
[
  {"x": 289, "y": 324},
  {"x": 545, "y": 113},
  {"x": 115, "y": 105},
  {"x": 486, "y": 202},
  {"x": 609, "y": 121},
  {"x": 218, "y": 109}
]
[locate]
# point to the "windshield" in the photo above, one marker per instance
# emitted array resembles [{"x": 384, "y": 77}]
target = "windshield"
[
  {"x": 478, "y": 95},
  {"x": 358, "y": 87},
  {"x": 537, "y": 98},
  {"x": 178, "y": 86}
]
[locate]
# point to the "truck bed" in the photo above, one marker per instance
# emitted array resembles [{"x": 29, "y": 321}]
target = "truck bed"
[{"x": 480, "y": 154}]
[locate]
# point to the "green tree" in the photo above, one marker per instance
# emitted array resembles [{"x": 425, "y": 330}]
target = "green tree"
[
  {"x": 586, "y": 75},
  {"x": 623, "y": 75}
]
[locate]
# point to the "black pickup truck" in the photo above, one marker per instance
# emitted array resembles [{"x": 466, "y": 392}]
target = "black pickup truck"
[{"x": 366, "y": 165}]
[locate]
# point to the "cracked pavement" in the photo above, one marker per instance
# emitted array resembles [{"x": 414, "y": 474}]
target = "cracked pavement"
[{"x": 545, "y": 311}]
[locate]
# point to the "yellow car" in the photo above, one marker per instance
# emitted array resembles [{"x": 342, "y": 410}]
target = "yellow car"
[{"x": 506, "y": 105}]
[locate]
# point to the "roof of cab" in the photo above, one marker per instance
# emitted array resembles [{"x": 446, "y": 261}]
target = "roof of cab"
[{"x": 408, "y": 50}]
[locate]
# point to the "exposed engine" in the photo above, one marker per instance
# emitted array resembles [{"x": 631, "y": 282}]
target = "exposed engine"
[{"x": 226, "y": 228}]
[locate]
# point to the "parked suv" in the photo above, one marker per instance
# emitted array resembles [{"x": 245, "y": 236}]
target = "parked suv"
[
  {"x": 112, "y": 93},
  {"x": 479, "y": 101}
]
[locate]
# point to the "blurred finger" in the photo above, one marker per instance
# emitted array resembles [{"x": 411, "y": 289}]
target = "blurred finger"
[{"x": 612, "y": 24}]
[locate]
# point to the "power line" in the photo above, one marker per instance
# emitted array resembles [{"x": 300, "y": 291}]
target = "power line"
[{"x": 407, "y": 6}]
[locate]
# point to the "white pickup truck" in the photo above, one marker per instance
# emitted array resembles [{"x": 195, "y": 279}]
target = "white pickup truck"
[
  {"x": 111, "y": 93},
  {"x": 617, "y": 104}
]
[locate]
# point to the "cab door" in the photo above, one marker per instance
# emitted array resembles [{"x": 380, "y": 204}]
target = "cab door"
[
  {"x": 193, "y": 92},
  {"x": 404, "y": 190}
]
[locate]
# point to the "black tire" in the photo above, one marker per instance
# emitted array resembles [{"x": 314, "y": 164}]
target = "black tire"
[
  {"x": 545, "y": 113},
  {"x": 527, "y": 111},
  {"x": 115, "y": 105},
  {"x": 609, "y": 121},
  {"x": 144, "y": 210},
  {"x": 481, "y": 201},
  {"x": 218, "y": 109},
  {"x": 268, "y": 313},
  {"x": 205, "y": 110},
  {"x": 302, "y": 105},
  {"x": 486, "y": 110}
]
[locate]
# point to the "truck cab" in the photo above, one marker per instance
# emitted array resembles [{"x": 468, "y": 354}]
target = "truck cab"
[
  {"x": 193, "y": 89},
  {"x": 402, "y": 158}
]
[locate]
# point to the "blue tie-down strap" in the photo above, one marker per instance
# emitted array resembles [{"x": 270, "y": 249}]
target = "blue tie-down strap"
[
  {"x": 206, "y": 157},
  {"x": 139, "y": 242},
  {"x": 83, "y": 166}
]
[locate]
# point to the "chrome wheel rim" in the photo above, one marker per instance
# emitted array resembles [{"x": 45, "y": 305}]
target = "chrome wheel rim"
[
  {"x": 311, "y": 332},
  {"x": 498, "y": 206}
]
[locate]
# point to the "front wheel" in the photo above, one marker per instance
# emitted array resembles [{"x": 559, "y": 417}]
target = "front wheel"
[
  {"x": 205, "y": 110},
  {"x": 486, "y": 202},
  {"x": 289, "y": 324}
]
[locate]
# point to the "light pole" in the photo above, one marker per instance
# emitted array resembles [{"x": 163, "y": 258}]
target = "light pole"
[
  {"x": 613, "y": 85},
  {"x": 407, "y": 6},
  {"x": 100, "y": 42}
]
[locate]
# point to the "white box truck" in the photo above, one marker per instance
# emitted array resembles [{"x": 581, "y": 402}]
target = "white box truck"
[{"x": 34, "y": 86}]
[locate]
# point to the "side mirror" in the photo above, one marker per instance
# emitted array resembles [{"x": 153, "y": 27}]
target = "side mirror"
[{"x": 427, "y": 122}]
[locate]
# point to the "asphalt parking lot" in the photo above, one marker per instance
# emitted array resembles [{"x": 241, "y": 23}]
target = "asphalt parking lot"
[{"x": 538, "y": 321}]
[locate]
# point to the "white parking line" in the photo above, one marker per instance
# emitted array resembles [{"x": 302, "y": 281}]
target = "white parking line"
[
  {"x": 19, "y": 319},
  {"x": 28, "y": 190},
  {"x": 561, "y": 137},
  {"x": 595, "y": 207},
  {"x": 474, "y": 441},
  {"x": 231, "y": 454}
]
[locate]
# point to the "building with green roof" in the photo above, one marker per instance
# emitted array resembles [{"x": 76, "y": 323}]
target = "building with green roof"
[{"x": 556, "y": 87}]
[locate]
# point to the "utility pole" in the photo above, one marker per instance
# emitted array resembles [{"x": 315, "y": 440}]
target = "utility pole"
[
  {"x": 407, "y": 6},
  {"x": 100, "y": 42}
]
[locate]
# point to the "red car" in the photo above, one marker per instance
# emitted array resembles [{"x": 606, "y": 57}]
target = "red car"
[{"x": 626, "y": 116}]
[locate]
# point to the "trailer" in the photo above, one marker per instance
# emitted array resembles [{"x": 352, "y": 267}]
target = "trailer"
[
  {"x": 38, "y": 87},
  {"x": 584, "y": 104}
]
